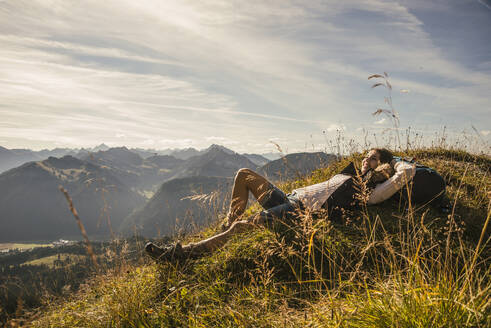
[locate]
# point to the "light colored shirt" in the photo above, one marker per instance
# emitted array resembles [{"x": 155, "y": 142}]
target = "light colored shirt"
[{"x": 314, "y": 196}]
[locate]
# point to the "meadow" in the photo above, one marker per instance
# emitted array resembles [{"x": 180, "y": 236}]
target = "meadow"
[
  {"x": 21, "y": 246},
  {"x": 388, "y": 265}
]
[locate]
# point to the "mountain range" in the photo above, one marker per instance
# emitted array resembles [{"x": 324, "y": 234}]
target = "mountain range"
[
  {"x": 33, "y": 208},
  {"x": 10, "y": 158},
  {"x": 216, "y": 161},
  {"x": 115, "y": 183},
  {"x": 295, "y": 165},
  {"x": 133, "y": 170}
]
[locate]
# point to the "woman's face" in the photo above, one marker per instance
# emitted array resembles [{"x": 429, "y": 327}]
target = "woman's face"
[{"x": 372, "y": 159}]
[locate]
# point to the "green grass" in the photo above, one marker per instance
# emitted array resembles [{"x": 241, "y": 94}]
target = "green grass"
[
  {"x": 51, "y": 260},
  {"x": 381, "y": 267},
  {"x": 20, "y": 246}
]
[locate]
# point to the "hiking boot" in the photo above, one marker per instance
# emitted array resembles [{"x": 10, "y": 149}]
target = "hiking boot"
[{"x": 164, "y": 254}]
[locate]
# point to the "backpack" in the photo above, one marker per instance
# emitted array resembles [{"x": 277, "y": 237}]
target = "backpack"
[{"x": 427, "y": 186}]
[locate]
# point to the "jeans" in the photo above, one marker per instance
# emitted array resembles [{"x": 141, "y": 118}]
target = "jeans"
[{"x": 278, "y": 205}]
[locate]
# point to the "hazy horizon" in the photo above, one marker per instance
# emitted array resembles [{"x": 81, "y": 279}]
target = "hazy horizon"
[{"x": 130, "y": 148}]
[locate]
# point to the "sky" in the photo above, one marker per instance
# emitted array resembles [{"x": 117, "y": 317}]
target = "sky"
[{"x": 250, "y": 75}]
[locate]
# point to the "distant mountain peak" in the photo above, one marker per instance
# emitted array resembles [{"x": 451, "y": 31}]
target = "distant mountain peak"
[
  {"x": 185, "y": 153},
  {"x": 296, "y": 165},
  {"x": 64, "y": 162},
  {"x": 123, "y": 148},
  {"x": 116, "y": 156},
  {"x": 102, "y": 146},
  {"x": 216, "y": 147}
]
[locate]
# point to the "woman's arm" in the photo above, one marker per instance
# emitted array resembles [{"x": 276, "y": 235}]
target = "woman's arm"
[{"x": 404, "y": 172}]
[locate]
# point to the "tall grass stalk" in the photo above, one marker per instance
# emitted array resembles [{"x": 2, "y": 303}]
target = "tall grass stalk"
[{"x": 72, "y": 208}]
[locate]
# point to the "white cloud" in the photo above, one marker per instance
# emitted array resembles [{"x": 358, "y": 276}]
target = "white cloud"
[
  {"x": 381, "y": 121},
  {"x": 335, "y": 127},
  {"x": 218, "y": 139},
  {"x": 149, "y": 142},
  {"x": 176, "y": 143}
]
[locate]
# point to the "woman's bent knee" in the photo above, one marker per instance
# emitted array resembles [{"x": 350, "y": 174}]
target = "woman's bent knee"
[{"x": 244, "y": 171}]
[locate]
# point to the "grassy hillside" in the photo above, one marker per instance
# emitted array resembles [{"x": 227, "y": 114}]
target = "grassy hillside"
[{"x": 383, "y": 266}]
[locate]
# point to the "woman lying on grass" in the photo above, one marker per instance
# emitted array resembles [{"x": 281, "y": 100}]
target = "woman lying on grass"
[{"x": 383, "y": 175}]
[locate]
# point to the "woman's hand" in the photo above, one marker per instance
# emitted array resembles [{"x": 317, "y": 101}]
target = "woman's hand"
[{"x": 365, "y": 165}]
